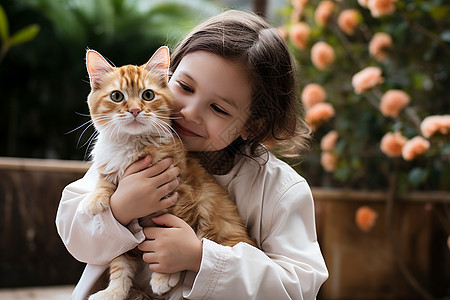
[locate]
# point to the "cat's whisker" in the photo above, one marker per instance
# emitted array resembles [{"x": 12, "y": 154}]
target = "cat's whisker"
[
  {"x": 84, "y": 124},
  {"x": 81, "y": 135}
]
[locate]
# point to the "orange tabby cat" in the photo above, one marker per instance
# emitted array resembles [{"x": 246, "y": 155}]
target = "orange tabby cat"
[{"x": 131, "y": 108}]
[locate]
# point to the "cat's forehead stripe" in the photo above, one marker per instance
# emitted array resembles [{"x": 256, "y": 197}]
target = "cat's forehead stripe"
[{"x": 131, "y": 76}]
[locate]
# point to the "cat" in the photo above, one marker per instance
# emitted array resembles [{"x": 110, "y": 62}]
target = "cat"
[{"x": 131, "y": 108}]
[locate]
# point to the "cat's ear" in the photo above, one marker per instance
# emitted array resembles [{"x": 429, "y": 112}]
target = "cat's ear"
[
  {"x": 159, "y": 62},
  {"x": 97, "y": 66}
]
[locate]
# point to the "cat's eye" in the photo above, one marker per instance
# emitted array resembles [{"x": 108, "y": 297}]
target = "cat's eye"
[
  {"x": 116, "y": 96},
  {"x": 148, "y": 95}
]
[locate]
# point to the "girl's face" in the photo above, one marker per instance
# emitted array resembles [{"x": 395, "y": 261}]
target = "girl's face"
[{"x": 213, "y": 97}]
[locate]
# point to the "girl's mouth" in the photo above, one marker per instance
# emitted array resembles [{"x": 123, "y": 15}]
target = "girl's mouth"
[{"x": 183, "y": 130}]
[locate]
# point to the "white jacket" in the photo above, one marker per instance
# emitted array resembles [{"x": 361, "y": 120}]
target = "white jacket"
[{"x": 277, "y": 207}]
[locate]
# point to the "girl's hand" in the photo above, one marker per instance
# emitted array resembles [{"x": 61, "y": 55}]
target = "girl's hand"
[
  {"x": 172, "y": 249},
  {"x": 141, "y": 189}
]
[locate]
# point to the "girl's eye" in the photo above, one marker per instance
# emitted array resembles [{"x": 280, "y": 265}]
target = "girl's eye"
[
  {"x": 219, "y": 110},
  {"x": 185, "y": 87},
  {"x": 148, "y": 95},
  {"x": 116, "y": 96}
]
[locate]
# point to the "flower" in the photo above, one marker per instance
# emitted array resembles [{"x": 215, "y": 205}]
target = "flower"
[
  {"x": 348, "y": 20},
  {"x": 366, "y": 79},
  {"x": 328, "y": 160},
  {"x": 318, "y": 114},
  {"x": 378, "y": 44},
  {"x": 323, "y": 12},
  {"x": 329, "y": 140},
  {"x": 380, "y": 8},
  {"x": 393, "y": 101},
  {"x": 299, "y": 35},
  {"x": 363, "y": 3},
  {"x": 365, "y": 218},
  {"x": 415, "y": 147},
  {"x": 392, "y": 144},
  {"x": 322, "y": 55},
  {"x": 312, "y": 94},
  {"x": 435, "y": 124}
]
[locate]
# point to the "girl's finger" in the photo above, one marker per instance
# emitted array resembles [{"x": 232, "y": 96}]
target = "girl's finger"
[
  {"x": 168, "y": 201},
  {"x": 137, "y": 166},
  {"x": 157, "y": 168}
]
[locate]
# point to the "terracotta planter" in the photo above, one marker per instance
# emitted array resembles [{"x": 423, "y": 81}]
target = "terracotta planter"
[{"x": 363, "y": 265}]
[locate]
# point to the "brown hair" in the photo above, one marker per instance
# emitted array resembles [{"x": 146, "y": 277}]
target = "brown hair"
[{"x": 276, "y": 114}]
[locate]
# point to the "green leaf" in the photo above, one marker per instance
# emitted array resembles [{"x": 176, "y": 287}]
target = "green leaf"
[
  {"x": 4, "y": 25},
  {"x": 24, "y": 35}
]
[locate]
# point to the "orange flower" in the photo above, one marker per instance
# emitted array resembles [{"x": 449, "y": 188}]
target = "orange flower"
[
  {"x": 435, "y": 124},
  {"x": 393, "y": 101},
  {"x": 348, "y": 20},
  {"x": 299, "y": 35},
  {"x": 365, "y": 218},
  {"x": 392, "y": 144},
  {"x": 328, "y": 160},
  {"x": 296, "y": 3},
  {"x": 377, "y": 46},
  {"x": 318, "y": 114},
  {"x": 380, "y": 8},
  {"x": 366, "y": 79},
  {"x": 323, "y": 12},
  {"x": 329, "y": 140},
  {"x": 415, "y": 147},
  {"x": 363, "y": 3},
  {"x": 322, "y": 55},
  {"x": 312, "y": 94}
]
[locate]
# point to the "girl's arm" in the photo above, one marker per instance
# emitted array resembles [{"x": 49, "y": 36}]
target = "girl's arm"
[
  {"x": 98, "y": 239},
  {"x": 288, "y": 266}
]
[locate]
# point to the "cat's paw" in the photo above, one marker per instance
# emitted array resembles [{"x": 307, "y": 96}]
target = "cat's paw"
[
  {"x": 162, "y": 283},
  {"x": 108, "y": 294},
  {"x": 94, "y": 204}
]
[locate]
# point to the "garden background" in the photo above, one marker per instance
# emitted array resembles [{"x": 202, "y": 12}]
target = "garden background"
[{"x": 382, "y": 217}]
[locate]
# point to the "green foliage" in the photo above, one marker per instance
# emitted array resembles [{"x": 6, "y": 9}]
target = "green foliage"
[
  {"x": 418, "y": 63},
  {"x": 44, "y": 83},
  {"x": 22, "y": 36}
]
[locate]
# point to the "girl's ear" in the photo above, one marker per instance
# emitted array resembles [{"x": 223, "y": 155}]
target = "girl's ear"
[
  {"x": 159, "y": 63},
  {"x": 97, "y": 66}
]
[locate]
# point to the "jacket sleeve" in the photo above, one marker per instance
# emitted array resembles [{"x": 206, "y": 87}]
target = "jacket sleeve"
[
  {"x": 288, "y": 266},
  {"x": 92, "y": 239}
]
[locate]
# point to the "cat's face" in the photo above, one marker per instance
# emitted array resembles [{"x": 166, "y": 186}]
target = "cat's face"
[{"x": 130, "y": 100}]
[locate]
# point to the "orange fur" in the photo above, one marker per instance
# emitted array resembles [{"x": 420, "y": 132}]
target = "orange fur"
[{"x": 202, "y": 202}]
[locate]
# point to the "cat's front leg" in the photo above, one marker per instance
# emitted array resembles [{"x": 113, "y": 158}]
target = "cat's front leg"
[
  {"x": 122, "y": 271},
  {"x": 162, "y": 283},
  {"x": 99, "y": 198}
]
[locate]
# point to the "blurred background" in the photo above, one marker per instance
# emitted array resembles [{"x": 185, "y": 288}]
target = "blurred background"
[{"x": 382, "y": 196}]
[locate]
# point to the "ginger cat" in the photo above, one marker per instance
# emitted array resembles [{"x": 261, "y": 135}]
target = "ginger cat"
[{"x": 131, "y": 108}]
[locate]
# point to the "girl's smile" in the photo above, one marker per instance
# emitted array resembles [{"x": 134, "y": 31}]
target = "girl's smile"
[{"x": 213, "y": 97}]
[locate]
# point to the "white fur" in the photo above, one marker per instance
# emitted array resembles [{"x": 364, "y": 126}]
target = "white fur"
[{"x": 118, "y": 143}]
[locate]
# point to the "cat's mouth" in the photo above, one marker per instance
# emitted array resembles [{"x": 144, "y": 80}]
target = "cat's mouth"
[{"x": 183, "y": 130}]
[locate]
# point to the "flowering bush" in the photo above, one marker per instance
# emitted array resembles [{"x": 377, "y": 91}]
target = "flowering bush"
[{"x": 375, "y": 80}]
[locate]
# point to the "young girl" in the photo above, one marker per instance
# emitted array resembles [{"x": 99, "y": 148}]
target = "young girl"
[{"x": 234, "y": 83}]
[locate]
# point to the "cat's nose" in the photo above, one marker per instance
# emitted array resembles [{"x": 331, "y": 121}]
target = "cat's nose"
[{"x": 135, "y": 111}]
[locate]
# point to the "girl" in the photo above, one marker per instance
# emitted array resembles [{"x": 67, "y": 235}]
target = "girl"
[{"x": 234, "y": 83}]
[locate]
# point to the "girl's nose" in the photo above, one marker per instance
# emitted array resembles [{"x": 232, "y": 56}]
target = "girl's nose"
[{"x": 191, "y": 113}]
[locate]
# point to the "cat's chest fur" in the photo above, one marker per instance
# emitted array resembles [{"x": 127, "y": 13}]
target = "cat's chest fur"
[{"x": 113, "y": 155}]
